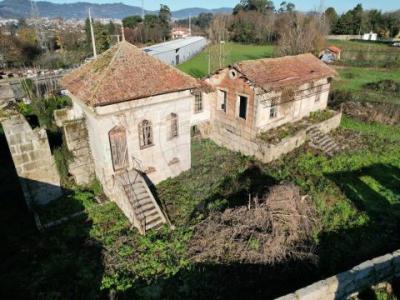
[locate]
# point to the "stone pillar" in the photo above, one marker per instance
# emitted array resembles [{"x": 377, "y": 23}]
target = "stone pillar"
[{"x": 33, "y": 161}]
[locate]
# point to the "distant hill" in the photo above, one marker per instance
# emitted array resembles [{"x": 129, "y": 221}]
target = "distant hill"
[{"x": 22, "y": 8}]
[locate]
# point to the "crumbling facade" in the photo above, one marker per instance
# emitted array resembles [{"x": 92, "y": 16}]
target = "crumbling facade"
[{"x": 256, "y": 96}]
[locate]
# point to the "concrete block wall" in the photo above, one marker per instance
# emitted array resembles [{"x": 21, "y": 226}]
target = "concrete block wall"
[
  {"x": 33, "y": 160},
  {"x": 362, "y": 276}
]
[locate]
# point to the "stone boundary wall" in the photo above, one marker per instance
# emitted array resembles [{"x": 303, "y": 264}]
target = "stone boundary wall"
[
  {"x": 33, "y": 160},
  {"x": 343, "y": 37},
  {"x": 343, "y": 285},
  {"x": 268, "y": 152}
]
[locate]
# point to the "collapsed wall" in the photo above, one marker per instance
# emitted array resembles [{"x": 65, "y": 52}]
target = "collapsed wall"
[
  {"x": 77, "y": 140},
  {"x": 33, "y": 160}
]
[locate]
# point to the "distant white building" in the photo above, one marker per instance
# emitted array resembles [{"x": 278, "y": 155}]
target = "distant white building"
[
  {"x": 370, "y": 36},
  {"x": 177, "y": 51}
]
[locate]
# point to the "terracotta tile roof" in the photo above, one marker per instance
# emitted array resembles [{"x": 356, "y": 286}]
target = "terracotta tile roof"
[
  {"x": 124, "y": 73},
  {"x": 334, "y": 49},
  {"x": 275, "y": 73}
]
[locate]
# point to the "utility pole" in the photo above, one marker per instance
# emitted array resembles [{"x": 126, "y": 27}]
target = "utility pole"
[
  {"x": 209, "y": 59},
  {"x": 143, "y": 10},
  {"x": 92, "y": 35},
  {"x": 123, "y": 33},
  {"x": 190, "y": 25},
  {"x": 36, "y": 21},
  {"x": 221, "y": 53}
]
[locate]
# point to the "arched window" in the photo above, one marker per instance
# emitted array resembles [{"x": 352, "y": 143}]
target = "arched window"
[
  {"x": 119, "y": 148},
  {"x": 173, "y": 126},
  {"x": 145, "y": 134}
]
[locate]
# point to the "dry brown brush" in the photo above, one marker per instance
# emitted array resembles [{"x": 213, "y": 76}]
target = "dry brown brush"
[{"x": 276, "y": 228}]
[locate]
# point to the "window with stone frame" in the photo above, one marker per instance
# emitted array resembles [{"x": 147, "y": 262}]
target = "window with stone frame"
[
  {"x": 145, "y": 134},
  {"x": 198, "y": 102},
  {"x": 173, "y": 126},
  {"x": 222, "y": 100}
]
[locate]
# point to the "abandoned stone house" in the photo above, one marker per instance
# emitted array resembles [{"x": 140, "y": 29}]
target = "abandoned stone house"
[
  {"x": 132, "y": 117},
  {"x": 136, "y": 113},
  {"x": 255, "y": 96}
]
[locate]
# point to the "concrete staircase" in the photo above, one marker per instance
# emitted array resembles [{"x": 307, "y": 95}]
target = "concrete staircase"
[
  {"x": 322, "y": 141},
  {"x": 148, "y": 214}
]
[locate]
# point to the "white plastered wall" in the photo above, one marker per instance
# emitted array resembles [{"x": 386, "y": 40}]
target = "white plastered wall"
[{"x": 167, "y": 157}]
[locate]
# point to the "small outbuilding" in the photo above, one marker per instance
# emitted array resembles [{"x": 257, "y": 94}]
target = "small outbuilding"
[{"x": 330, "y": 54}]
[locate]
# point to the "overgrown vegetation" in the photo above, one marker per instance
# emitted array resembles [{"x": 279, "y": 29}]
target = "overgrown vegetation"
[{"x": 355, "y": 195}]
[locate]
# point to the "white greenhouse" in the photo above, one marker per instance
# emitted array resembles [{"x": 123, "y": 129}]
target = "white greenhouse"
[{"x": 177, "y": 51}]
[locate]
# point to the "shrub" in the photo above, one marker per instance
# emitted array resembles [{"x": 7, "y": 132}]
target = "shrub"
[{"x": 62, "y": 157}]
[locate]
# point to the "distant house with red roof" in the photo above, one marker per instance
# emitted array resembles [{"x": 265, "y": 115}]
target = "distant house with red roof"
[{"x": 330, "y": 54}]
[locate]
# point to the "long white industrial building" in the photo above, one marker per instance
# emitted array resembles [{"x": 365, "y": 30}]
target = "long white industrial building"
[{"x": 177, "y": 51}]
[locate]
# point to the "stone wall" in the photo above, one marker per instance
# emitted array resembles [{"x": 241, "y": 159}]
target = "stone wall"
[
  {"x": 341, "y": 286},
  {"x": 33, "y": 161},
  {"x": 223, "y": 136},
  {"x": 6, "y": 94},
  {"x": 77, "y": 140}
]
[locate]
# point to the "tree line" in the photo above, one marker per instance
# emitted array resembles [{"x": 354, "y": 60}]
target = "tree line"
[
  {"x": 151, "y": 29},
  {"x": 357, "y": 21}
]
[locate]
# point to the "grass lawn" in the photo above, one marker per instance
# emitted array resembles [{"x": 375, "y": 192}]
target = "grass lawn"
[
  {"x": 234, "y": 52},
  {"x": 356, "y": 195}
]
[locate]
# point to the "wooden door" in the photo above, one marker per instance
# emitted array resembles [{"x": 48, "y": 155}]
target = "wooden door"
[{"x": 119, "y": 148}]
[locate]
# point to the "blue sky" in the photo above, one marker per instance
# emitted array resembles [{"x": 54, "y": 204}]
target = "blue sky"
[{"x": 340, "y": 5}]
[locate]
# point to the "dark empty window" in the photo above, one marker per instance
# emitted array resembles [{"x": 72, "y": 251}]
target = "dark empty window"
[
  {"x": 242, "y": 107},
  {"x": 173, "y": 120},
  {"x": 222, "y": 100}
]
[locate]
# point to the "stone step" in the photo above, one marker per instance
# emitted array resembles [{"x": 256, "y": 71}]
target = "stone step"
[
  {"x": 143, "y": 207},
  {"x": 151, "y": 212},
  {"x": 327, "y": 144},
  {"x": 332, "y": 148},
  {"x": 141, "y": 197},
  {"x": 324, "y": 140},
  {"x": 150, "y": 219},
  {"x": 143, "y": 202},
  {"x": 155, "y": 224}
]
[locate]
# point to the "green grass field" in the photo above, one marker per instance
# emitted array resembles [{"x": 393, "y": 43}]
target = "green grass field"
[
  {"x": 358, "y": 45},
  {"x": 353, "y": 80},
  {"x": 234, "y": 52}
]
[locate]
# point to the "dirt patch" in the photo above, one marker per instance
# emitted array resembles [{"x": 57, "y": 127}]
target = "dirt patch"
[
  {"x": 273, "y": 229},
  {"x": 368, "y": 112},
  {"x": 386, "y": 86},
  {"x": 350, "y": 140}
]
